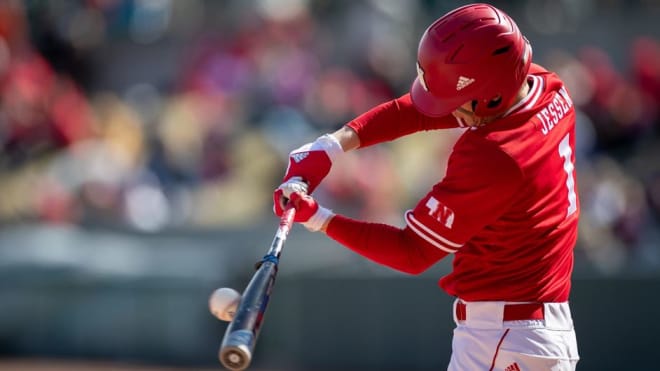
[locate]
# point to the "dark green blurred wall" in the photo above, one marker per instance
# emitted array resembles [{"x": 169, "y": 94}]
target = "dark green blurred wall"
[{"x": 312, "y": 324}]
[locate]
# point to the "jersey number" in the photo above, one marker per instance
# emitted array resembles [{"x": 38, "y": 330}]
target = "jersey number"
[{"x": 565, "y": 152}]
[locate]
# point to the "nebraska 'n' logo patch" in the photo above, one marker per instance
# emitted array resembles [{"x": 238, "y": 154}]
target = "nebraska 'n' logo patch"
[{"x": 440, "y": 212}]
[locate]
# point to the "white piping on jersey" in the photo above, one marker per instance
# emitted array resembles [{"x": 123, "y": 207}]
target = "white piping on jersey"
[
  {"x": 431, "y": 237},
  {"x": 531, "y": 97}
]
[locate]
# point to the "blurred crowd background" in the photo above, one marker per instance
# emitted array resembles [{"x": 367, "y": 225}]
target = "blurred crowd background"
[
  {"x": 161, "y": 117},
  {"x": 160, "y": 114}
]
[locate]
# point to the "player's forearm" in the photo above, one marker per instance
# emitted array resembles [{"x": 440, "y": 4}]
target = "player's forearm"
[
  {"x": 387, "y": 245},
  {"x": 394, "y": 119}
]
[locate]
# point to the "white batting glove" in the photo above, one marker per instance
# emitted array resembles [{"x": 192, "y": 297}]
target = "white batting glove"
[
  {"x": 295, "y": 184},
  {"x": 284, "y": 191}
]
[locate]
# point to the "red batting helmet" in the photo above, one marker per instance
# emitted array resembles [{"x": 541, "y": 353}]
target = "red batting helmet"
[{"x": 473, "y": 53}]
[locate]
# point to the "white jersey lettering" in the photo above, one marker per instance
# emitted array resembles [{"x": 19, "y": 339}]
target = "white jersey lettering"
[{"x": 554, "y": 111}]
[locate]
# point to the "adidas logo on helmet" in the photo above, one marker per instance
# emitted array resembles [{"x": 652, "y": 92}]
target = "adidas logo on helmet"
[{"x": 463, "y": 82}]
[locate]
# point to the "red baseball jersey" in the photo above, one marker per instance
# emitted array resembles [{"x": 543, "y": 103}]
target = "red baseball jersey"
[{"x": 507, "y": 207}]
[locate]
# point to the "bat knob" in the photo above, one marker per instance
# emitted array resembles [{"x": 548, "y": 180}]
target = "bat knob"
[
  {"x": 235, "y": 359},
  {"x": 235, "y": 353}
]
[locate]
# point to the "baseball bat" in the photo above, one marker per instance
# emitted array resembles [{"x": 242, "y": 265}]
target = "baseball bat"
[{"x": 241, "y": 335}]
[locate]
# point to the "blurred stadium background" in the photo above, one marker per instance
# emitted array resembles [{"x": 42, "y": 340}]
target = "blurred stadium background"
[{"x": 140, "y": 142}]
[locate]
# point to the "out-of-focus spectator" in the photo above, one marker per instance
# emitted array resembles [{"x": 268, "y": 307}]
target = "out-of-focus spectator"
[
  {"x": 645, "y": 65},
  {"x": 614, "y": 213},
  {"x": 42, "y": 114},
  {"x": 42, "y": 111}
]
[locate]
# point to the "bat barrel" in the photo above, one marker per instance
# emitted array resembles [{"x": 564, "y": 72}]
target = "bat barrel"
[{"x": 241, "y": 335}]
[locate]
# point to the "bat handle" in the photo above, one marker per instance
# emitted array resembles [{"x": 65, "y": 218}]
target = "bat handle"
[{"x": 286, "y": 220}]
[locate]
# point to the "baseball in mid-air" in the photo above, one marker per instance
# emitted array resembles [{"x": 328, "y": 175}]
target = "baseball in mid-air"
[{"x": 223, "y": 303}]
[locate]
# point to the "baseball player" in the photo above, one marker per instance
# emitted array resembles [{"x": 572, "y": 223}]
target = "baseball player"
[{"x": 507, "y": 207}]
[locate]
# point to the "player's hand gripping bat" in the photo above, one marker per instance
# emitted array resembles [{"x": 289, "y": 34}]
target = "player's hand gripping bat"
[{"x": 242, "y": 332}]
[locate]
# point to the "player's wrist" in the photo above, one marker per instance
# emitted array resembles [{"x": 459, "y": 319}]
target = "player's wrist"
[
  {"x": 320, "y": 219},
  {"x": 329, "y": 144}
]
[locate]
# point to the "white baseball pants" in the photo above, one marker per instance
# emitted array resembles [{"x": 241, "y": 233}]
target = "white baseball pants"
[{"x": 484, "y": 341}]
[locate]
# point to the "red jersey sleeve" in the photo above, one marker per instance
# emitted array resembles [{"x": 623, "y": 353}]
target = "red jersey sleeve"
[
  {"x": 395, "y": 119},
  {"x": 478, "y": 187},
  {"x": 399, "y": 249}
]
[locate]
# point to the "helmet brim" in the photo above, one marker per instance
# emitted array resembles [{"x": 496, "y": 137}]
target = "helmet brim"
[{"x": 427, "y": 103}]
